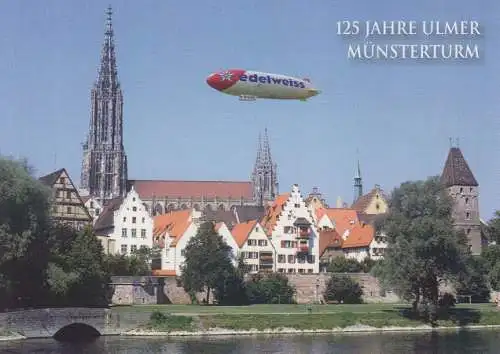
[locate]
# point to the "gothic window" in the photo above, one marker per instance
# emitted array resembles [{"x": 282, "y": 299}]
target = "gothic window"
[
  {"x": 466, "y": 201},
  {"x": 109, "y": 165},
  {"x": 196, "y": 207},
  {"x": 221, "y": 207},
  {"x": 467, "y": 215},
  {"x": 158, "y": 209},
  {"x": 461, "y": 190},
  {"x": 208, "y": 207},
  {"x": 184, "y": 206},
  {"x": 171, "y": 207},
  {"x": 107, "y": 182}
]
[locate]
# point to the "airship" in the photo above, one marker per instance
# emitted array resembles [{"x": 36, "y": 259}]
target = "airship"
[{"x": 250, "y": 85}]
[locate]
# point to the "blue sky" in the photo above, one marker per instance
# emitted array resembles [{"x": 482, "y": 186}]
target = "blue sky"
[{"x": 398, "y": 115}]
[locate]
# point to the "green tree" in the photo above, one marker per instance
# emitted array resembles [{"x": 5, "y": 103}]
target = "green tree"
[
  {"x": 343, "y": 289},
  {"x": 77, "y": 273},
  {"x": 137, "y": 264},
  {"x": 208, "y": 261},
  {"x": 493, "y": 228},
  {"x": 424, "y": 248},
  {"x": 24, "y": 223},
  {"x": 474, "y": 282},
  {"x": 341, "y": 264},
  {"x": 272, "y": 288}
]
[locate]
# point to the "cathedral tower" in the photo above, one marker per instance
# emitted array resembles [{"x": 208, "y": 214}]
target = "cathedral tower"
[
  {"x": 457, "y": 177},
  {"x": 104, "y": 164},
  {"x": 264, "y": 176}
]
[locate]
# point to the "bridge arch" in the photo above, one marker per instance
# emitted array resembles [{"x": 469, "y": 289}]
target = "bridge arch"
[{"x": 76, "y": 331}]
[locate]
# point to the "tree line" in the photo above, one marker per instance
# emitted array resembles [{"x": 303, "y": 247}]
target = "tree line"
[{"x": 45, "y": 264}]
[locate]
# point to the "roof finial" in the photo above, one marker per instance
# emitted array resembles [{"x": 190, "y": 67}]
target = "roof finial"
[
  {"x": 451, "y": 142},
  {"x": 458, "y": 142}
]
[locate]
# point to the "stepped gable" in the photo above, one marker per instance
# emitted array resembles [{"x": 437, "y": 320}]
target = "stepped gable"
[
  {"x": 192, "y": 189},
  {"x": 273, "y": 212},
  {"x": 456, "y": 171}
]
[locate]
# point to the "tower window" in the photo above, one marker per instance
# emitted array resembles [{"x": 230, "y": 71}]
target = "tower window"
[
  {"x": 466, "y": 200},
  {"x": 470, "y": 189},
  {"x": 461, "y": 190},
  {"x": 467, "y": 215}
]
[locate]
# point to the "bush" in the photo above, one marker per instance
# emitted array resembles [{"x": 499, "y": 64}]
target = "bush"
[
  {"x": 270, "y": 289},
  {"x": 166, "y": 322},
  {"x": 344, "y": 265},
  {"x": 343, "y": 289}
]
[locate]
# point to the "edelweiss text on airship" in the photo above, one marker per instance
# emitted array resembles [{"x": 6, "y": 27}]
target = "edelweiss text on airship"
[{"x": 250, "y": 85}]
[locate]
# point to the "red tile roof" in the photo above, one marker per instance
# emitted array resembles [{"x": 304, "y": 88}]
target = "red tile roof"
[
  {"x": 329, "y": 238},
  {"x": 241, "y": 231},
  {"x": 192, "y": 189},
  {"x": 343, "y": 218},
  {"x": 273, "y": 212},
  {"x": 360, "y": 236},
  {"x": 175, "y": 223}
]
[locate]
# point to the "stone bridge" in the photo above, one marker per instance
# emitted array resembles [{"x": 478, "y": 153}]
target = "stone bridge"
[{"x": 62, "y": 322}]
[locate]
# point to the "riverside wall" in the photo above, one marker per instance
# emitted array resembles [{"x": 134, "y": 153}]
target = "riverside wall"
[{"x": 166, "y": 290}]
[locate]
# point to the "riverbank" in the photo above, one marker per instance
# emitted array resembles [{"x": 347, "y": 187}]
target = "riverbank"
[{"x": 382, "y": 321}]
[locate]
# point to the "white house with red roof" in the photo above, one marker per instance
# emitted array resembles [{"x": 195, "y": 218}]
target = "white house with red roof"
[
  {"x": 290, "y": 227},
  {"x": 254, "y": 246},
  {"x": 173, "y": 231},
  {"x": 124, "y": 225}
]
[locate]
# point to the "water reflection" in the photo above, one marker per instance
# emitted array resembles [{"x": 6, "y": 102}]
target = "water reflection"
[{"x": 443, "y": 342}]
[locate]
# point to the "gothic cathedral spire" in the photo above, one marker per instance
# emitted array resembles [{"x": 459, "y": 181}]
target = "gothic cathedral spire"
[
  {"x": 264, "y": 176},
  {"x": 358, "y": 184},
  {"x": 104, "y": 165}
]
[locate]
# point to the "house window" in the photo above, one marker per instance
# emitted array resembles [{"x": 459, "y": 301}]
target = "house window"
[
  {"x": 297, "y": 205},
  {"x": 133, "y": 249},
  {"x": 68, "y": 210},
  {"x": 92, "y": 205},
  {"x": 134, "y": 208},
  {"x": 133, "y": 220},
  {"x": 97, "y": 211},
  {"x": 461, "y": 190},
  {"x": 134, "y": 232},
  {"x": 262, "y": 242},
  {"x": 254, "y": 268},
  {"x": 68, "y": 194},
  {"x": 123, "y": 249},
  {"x": 291, "y": 259},
  {"x": 124, "y": 219},
  {"x": 281, "y": 258},
  {"x": 183, "y": 252},
  {"x": 252, "y": 242},
  {"x": 143, "y": 220},
  {"x": 124, "y": 232},
  {"x": 309, "y": 270},
  {"x": 281, "y": 270},
  {"x": 143, "y": 233},
  {"x": 133, "y": 199}
]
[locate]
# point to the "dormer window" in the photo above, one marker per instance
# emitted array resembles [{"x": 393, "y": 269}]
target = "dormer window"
[{"x": 134, "y": 209}]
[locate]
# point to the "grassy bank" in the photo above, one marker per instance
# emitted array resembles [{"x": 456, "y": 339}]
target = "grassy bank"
[{"x": 344, "y": 316}]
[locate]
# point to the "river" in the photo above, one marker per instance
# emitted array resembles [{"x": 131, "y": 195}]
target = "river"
[{"x": 485, "y": 341}]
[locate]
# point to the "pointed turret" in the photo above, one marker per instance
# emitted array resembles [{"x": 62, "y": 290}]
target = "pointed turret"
[
  {"x": 358, "y": 184},
  {"x": 264, "y": 176},
  {"x": 107, "y": 79},
  {"x": 456, "y": 171}
]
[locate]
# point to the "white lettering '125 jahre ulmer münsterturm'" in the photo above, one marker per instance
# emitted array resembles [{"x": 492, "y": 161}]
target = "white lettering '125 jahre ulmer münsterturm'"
[{"x": 371, "y": 30}]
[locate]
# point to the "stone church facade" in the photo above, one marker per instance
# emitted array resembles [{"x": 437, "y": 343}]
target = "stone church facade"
[{"x": 104, "y": 173}]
